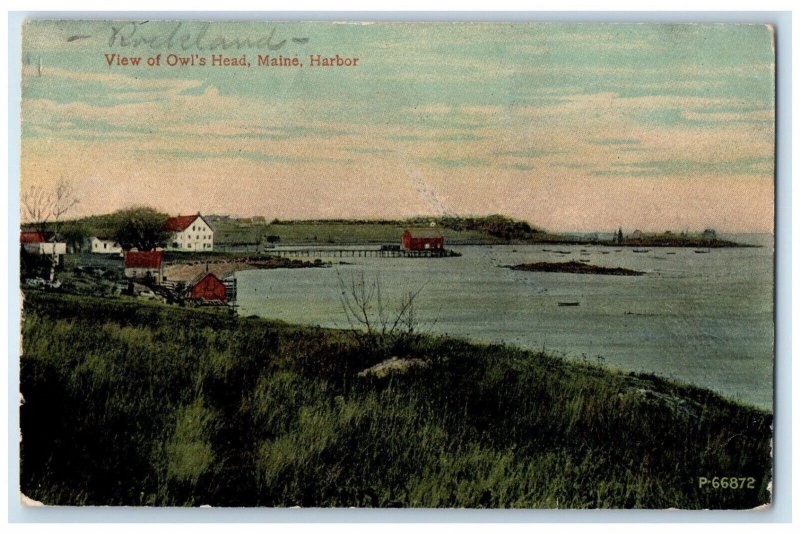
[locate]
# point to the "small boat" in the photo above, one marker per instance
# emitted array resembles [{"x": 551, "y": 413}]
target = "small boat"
[
  {"x": 702, "y": 251},
  {"x": 584, "y": 261},
  {"x": 604, "y": 252},
  {"x": 569, "y": 303},
  {"x": 641, "y": 250},
  {"x": 545, "y": 250},
  {"x": 670, "y": 253}
]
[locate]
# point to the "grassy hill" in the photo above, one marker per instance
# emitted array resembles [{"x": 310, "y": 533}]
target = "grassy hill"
[
  {"x": 128, "y": 403},
  {"x": 488, "y": 229}
]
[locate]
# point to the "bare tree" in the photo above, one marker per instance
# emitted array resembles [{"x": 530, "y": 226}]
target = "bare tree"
[
  {"x": 64, "y": 199},
  {"x": 36, "y": 204},
  {"x": 373, "y": 321},
  {"x": 43, "y": 208}
]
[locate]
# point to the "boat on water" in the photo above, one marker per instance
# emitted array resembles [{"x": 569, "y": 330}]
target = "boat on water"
[
  {"x": 641, "y": 250},
  {"x": 569, "y": 303},
  {"x": 670, "y": 252},
  {"x": 584, "y": 261},
  {"x": 702, "y": 251}
]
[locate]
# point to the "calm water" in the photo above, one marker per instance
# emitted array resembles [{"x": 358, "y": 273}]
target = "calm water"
[{"x": 700, "y": 318}]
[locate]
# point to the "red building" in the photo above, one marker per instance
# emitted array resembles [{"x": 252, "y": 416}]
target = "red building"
[
  {"x": 207, "y": 287},
  {"x": 423, "y": 240},
  {"x": 35, "y": 237},
  {"x": 141, "y": 264}
]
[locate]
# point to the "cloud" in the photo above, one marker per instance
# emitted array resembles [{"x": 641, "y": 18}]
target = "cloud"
[
  {"x": 748, "y": 116},
  {"x": 113, "y": 81},
  {"x": 458, "y": 162},
  {"x": 531, "y": 153},
  {"x": 687, "y": 167},
  {"x": 483, "y": 110},
  {"x": 430, "y": 109},
  {"x": 615, "y": 141}
]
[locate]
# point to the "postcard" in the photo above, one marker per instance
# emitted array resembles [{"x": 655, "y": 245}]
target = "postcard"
[{"x": 379, "y": 265}]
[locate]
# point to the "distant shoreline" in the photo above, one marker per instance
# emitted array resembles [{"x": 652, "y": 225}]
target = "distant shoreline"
[
  {"x": 223, "y": 265},
  {"x": 259, "y": 234}
]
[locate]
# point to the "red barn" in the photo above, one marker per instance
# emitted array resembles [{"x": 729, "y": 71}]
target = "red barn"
[
  {"x": 207, "y": 287},
  {"x": 423, "y": 240},
  {"x": 140, "y": 264}
]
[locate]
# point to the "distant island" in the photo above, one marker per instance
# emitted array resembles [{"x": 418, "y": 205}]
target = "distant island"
[{"x": 573, "y": 267}]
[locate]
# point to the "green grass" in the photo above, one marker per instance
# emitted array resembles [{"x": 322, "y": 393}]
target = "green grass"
[
  {"x": 230, "y": 232},
  {"x": 128, "y": 403}
]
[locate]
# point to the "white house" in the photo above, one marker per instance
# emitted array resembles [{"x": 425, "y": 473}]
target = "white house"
[
  {"x": 100, "y": 245},
  {"x": 42, "y": 243},
  {"x": 189, "y": 232}
]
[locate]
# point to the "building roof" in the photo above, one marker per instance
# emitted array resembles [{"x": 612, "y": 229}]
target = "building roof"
[
  {"x": 424, "y": 232},
  {"x": 149, "y": 259},
  {"x": 35, "y": 237},
  {"x": 179, "y": 223},
  {"x": 199, "y": 278}
]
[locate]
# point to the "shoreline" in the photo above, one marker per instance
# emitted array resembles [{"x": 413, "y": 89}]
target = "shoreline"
[
  {"x": 223, "y": 268},
  {"x": 312, "y": 393},
  {"x": 430, "y": 336}
]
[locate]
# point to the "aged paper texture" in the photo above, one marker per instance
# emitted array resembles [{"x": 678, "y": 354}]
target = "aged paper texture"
[{"x": 448, "y": 265}]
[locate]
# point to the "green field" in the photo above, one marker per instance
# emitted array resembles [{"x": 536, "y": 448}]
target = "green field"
[
  {"x": 239, "y": 231},
  {"x": 131, "y": 403}
]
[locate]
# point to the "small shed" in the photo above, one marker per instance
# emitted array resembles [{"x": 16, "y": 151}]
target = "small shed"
[
  {"x": 146, "y": 263},
  {"x": 427, "y": 239},
  {"x": 208, "y": 287}
]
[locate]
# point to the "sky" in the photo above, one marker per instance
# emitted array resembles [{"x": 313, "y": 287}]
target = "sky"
[{"x": 572, "y": 127}]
